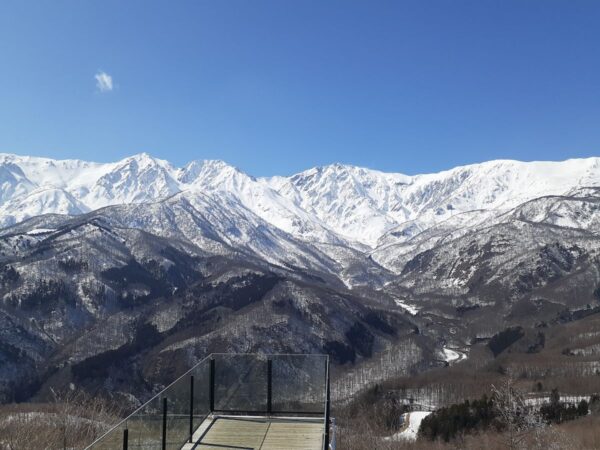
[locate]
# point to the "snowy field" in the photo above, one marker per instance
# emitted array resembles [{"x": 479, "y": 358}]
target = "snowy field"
[
  {"x": 410, "y": 430},
  {"x": 452, "y": 356}
]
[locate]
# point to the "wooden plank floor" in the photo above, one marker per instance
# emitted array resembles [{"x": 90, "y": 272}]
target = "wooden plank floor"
[{"x": 245, "y": 433}]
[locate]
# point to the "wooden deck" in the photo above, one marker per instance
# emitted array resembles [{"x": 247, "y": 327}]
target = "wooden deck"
[{"x": 258, "y": 433}]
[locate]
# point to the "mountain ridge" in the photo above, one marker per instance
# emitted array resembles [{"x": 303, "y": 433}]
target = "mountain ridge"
[{"x": 336, "y": 203}]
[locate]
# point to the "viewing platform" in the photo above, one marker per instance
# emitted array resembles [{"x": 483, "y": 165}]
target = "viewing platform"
[{"x": 234, "y": 401}]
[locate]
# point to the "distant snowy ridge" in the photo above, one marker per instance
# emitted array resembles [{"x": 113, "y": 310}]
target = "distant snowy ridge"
[{"x": 336, "y": 204}]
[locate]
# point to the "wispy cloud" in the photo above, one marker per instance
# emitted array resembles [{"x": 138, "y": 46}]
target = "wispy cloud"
[{"x": 104, "y": 82}]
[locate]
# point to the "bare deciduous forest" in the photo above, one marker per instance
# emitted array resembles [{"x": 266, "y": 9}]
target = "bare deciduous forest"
[{"x": 72, "y": 420}]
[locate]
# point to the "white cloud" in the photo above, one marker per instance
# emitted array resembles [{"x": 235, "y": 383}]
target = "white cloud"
[{"x": 104, "y": 82}]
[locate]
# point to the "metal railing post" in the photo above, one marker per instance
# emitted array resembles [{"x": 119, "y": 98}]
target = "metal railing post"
[
  {"x": 212, "y": 385},
  {"x": 332, "y": 444},
  {"x": 269, "y": 386},
  {"x": 125, "y": 438},
  {"x": 164, "y": 425},
  {"x": 327, "y": 407},
  {"x": 191, "y": 407}
]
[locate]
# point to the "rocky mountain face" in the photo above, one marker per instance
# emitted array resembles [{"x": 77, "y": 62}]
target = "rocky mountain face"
[{"x": 131, "y": 271}]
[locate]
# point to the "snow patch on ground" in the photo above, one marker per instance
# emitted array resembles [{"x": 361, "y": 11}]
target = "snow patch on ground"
[
  {"x": 451, "y": 356},
  {"x": 410, "y": 308},
  {"x": 545, "y": 399},
  {"x": 410, "y": 430},
  {"x": 40, "y": 231}
]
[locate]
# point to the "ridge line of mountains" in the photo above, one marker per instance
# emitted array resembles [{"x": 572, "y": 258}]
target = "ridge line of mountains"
[{"x": 337, "y": 204}]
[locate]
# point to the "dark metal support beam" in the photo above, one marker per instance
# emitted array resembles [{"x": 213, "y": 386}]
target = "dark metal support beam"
[
  {"x": 191, "y": 407},
  {"x": 269, "y": 386},
  {"x": 327, "y": 407},
  {"x": 212, "y": 385},
  {"x": 164, "y": 425}
]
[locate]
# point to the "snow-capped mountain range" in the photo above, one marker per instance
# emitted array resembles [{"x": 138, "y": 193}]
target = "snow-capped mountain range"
[
  {"x": 331, "y": 204},
  {"x": 339, "y": 259}
]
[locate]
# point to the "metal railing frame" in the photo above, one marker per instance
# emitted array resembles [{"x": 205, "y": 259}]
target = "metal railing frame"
[
  {"x": 327, "y": 406},
  {"x": 211, "y": 361},
  {"x": 332, "y": 444}
]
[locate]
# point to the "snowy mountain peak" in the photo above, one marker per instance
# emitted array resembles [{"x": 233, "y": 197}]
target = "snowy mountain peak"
[
  {"x": 13, "y": 182},
  {"x": 190, "y": 172},
  {"x": 137, "y": 179},
  {"x": 145, "y": 160},
  {"x": 332, "y": 204}
]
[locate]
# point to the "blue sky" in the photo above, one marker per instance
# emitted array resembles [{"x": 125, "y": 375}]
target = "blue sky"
[{"x": 275, "y": 87}]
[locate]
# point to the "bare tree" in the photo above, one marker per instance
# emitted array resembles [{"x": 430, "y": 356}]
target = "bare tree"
[
  {"x": 72, "y": 421},
  {"x": 519, "y": 419}
]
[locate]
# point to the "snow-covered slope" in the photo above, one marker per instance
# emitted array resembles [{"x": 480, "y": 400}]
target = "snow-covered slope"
[
  {"x": 256, "y": 195},
  {"x": 410, "y": 429},
  {"x": 38, "y": 201},
  {"x": 363, "y": 204},
  {"x": 337, "y": 204}
]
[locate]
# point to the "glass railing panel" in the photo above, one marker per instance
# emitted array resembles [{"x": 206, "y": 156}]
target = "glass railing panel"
[
  {"x": 240, "y": 383},
  {"x": 145, "y": 426},
  {"x": 299, "y": 383},
  {"x": 178, "y": 399},
  {"x": 113, "y": 440},
  {"x": 201, "y": 393}
]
